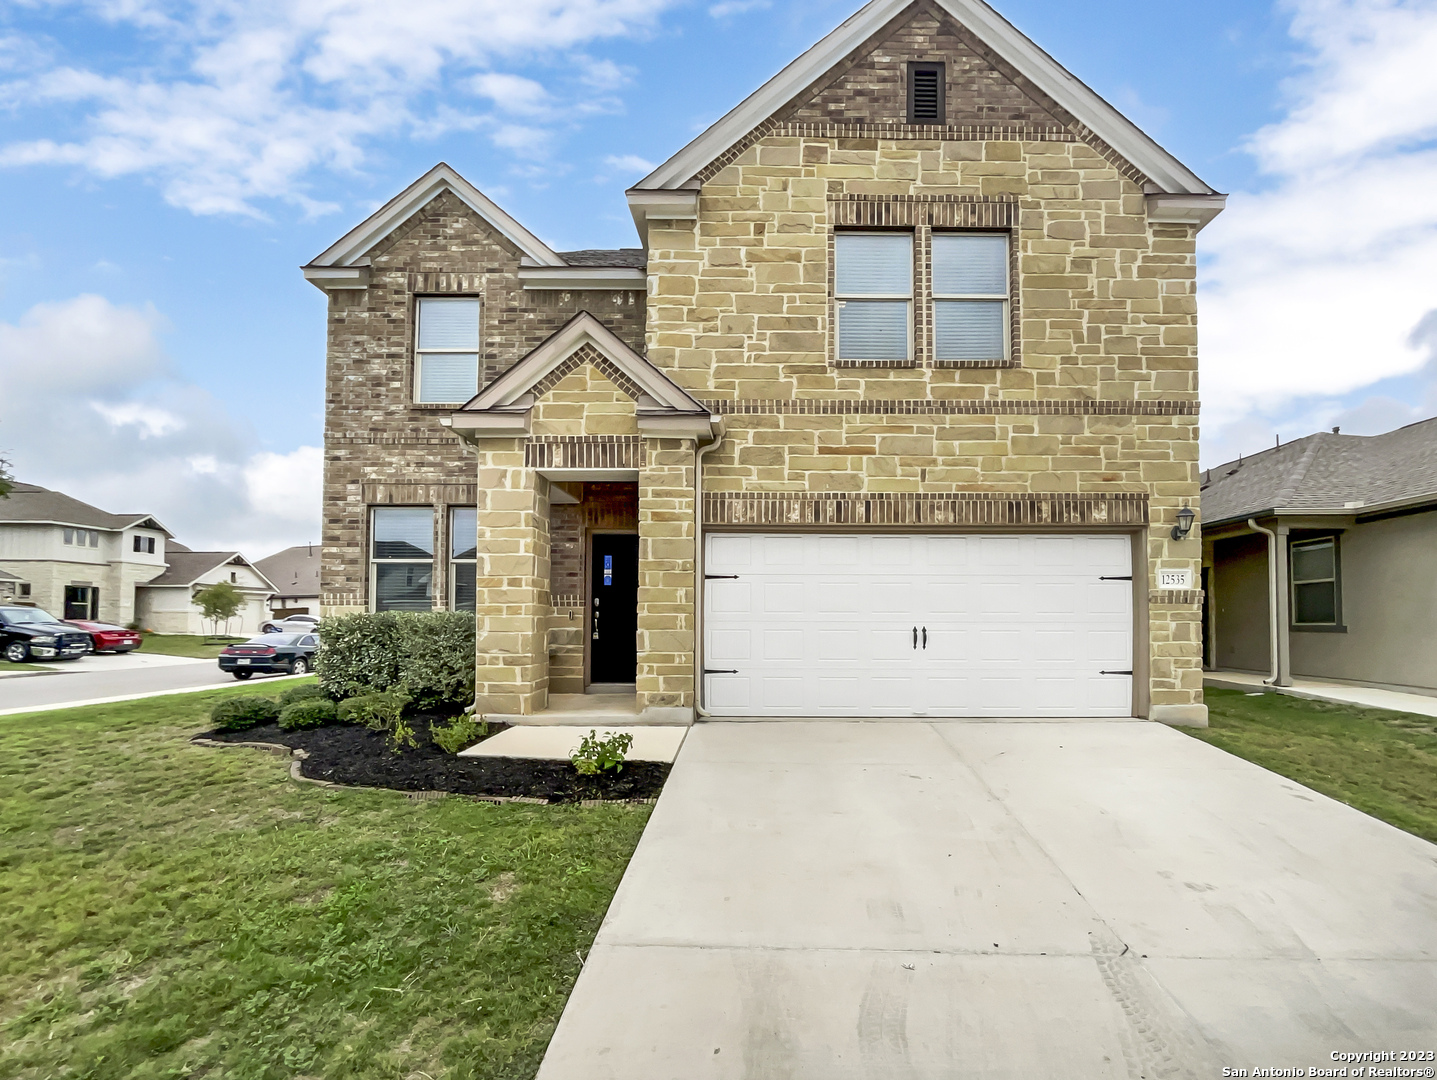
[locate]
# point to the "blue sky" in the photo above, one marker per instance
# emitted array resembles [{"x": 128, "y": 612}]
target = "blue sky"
[{"x": 167, "y": 165}]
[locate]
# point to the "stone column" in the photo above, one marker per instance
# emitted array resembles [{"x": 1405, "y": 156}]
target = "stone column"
[
  {"x": 512, "y": 582},
  {"x": 666, "y": 581}
]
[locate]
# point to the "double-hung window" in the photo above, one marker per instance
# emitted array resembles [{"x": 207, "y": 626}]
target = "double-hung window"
[
  {"x": 402, "y": 558},
  {"x": 463, "y": 529},
  {"x": 1315, "y": 597},
  {"x": 446, "y": 350},
  {"x": 970, "y": 296},
  {"x": 873, "y": 294}
]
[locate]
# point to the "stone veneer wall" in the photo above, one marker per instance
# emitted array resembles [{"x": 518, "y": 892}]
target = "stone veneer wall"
[
  {"x": 375, "y": 436},
  {"x": 1103, "y": 399}
]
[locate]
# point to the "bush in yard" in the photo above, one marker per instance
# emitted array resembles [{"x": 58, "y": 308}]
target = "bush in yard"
[
  {"x": 242, "y": 713},
  {"x": 305, "y": 692},
  {"x": 381, "y": 712},
  {"x": 315, "y": 712},
  {"x": 426, "y": 655},
  {"x": 461, "y": 732},
  {"x": 594, "y": 754}
]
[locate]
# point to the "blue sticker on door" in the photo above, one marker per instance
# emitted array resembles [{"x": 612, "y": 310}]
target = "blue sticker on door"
[{"x": 608, "y": 569}]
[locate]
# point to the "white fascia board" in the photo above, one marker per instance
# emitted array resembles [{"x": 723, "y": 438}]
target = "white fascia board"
[
  {"x": 678, "y": 204},
  {"x": 989, "y": 27},
  {"x": 513, "y": 424},
  {"x": 577, "y": 278},
  {"x": 350, "y": 249},
  {"x": 679, "y": 425},
  {"x": 1198, "y": 210},
  {"x": 327, "y": 278}
]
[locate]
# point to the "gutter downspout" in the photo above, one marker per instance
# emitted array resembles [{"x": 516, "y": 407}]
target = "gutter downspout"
[
  {"x": 699, "y": 452},
  {"x": 1271, "y": 680}
]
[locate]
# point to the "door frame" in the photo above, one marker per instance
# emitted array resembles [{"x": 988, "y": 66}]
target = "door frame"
[{"x": 588, "y": 579}]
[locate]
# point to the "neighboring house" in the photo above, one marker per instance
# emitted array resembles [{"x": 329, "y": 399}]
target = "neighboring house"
[
  {"x": 1331, "y": 541},
  {"x": 12, "y": 589},
  {"x": 893, "y": 413},
  {"x": 295, "y": 573},
  {"x": 75, "y": 560},
  {"x": 167, "y": 605}
]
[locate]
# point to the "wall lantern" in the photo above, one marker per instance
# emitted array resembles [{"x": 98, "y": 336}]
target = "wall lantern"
[{"x": 1185, "y": 523}]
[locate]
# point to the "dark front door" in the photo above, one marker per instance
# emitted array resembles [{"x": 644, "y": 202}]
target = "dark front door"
[
  {"x": 81, "y": 602},
  {"x": 613, "y": 608}
]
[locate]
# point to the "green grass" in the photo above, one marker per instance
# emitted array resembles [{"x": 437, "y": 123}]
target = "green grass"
[
  {"x": 187, "y": 645},
  {"x": 169, "y": 910},
  {"x": 1383, "y": 763}
]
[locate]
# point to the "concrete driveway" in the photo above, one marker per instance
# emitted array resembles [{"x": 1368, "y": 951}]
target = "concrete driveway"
[{"x": 1061, "y": 899}]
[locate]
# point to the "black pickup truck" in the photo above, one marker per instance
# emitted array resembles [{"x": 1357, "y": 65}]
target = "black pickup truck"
[{"x": 28, "y": 633}]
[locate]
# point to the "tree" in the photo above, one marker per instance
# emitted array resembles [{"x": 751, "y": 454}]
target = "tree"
[
  {"x": 219, "y": 601},
  {"x": 5, "y": 478}
]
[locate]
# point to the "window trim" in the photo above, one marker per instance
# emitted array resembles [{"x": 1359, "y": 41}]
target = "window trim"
[
  {"x": 911, "y": 299},
  {"x": 375, "y": 561},
  {"x": 455, "y": 562},
  {"x": 934, "y": 297},
  {"x": 916, "y": 66},
  {"x": 419, "y": 354},
  {"x": 1336, "y": 626}
]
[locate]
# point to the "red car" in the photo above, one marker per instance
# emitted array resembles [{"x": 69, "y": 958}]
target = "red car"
[{"x": 108, "y": 637}]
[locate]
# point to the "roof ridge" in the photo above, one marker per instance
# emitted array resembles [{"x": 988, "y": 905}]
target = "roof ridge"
[{"x": 1299, "y": 473}]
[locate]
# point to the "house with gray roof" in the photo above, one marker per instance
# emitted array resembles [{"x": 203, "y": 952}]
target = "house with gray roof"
[
  {"x": 166, "y": 604},
  {"x": 295, "y": 573},
  {"x": 1320, "y": 560}
]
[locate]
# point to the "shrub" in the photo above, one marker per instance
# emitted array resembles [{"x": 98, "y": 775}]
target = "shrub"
[
  {"x": 381, "y": 712},
  {"x": 303, "y": 692},
  {"x": 426, "y": 655},
  {"x": 315, "y": 712},
  {"x": 242, "y": 713},
  {"x": 461, "y": 732},
  {"x": 596, "y": 754}
]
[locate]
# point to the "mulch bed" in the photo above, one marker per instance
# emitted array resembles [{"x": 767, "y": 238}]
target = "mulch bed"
[{"x": 349, "y": 754}]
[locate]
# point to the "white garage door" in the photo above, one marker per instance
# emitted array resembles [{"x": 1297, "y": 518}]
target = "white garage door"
[{"x": 918, "y": 625}]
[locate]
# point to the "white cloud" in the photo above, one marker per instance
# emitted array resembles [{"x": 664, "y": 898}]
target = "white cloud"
[
  {"x": 630, "y": 163},
  {"x": 240, "y": 101},
  {"x": 736, "y": 7},
  {"x": 92, "y": 407},
  {"x": 1315, "y": 288}
]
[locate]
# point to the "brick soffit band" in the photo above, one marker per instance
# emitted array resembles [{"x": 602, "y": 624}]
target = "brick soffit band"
[
  {"x": 908, "y": 509},
  {"x": 961, "y": 407},
  {"x": 585, "y": 452}
]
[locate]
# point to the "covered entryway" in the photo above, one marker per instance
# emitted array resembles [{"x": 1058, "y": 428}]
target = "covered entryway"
[{"x": 807, "y": 624}]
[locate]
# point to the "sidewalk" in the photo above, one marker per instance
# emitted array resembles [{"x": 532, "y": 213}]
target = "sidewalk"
[{"x": 1321, "y": 690}]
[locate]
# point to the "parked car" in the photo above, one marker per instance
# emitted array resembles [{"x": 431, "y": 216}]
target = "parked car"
[
  {"x": 28, "y": 633},
  {"x": 292, "y": 654},
  {"x": 290, "y": 624},
  {"x": 107, "y": 636}
]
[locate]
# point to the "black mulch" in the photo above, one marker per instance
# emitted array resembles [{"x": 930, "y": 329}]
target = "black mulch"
[{"x": 349, "y": 754}]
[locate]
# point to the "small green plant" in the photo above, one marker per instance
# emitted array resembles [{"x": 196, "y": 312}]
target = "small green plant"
[
  {"x": 303, "y": 692},
  {"x": 243, "y": 713},
  {"x": 595, "y": 755},
  {"x": 311, "y": 713},
  {"x": 381, "y": 712},
  {"x": 461, "y": 732}
]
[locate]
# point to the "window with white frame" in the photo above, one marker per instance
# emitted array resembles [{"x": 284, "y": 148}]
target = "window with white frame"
[
  {"x": 81, "y": 537},
  {"x": 402, "y": 558},
  {"x": 1316, "y": 600},
  {"x": 145, "y": 544},
  {"x": 463, "y": 549},
  {"x": 446, "y": 350},
  {"x": 970, "y": 296},
  {"x": 873, "y": 295}
]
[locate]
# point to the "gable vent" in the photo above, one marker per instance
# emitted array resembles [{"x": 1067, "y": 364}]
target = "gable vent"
[{"x": 925, "y": 93}]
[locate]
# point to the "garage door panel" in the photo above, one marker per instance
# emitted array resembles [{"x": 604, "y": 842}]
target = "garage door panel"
[
  {"x": 730, "y": 597},
  {"x": 839, "y": 644},
  {"x": 838, "y": 693},
  {"x": 783, "y": 597},
  {"x": 729, "y": 693},
  {"x": 888, "y": 597},
  {"x": 838, "y": 550},
  {"x": 730, "y": 645},
  {"x": 838, "y": 595},
  {"x": 782, "y": 645},
  {"x": 782, "y": 692}
]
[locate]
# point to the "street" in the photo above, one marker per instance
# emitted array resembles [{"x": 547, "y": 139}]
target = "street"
[{"x": 107, "y": 677}]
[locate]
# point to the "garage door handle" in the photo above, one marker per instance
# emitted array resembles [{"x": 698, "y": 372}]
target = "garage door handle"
[
  {"x": 720, "y": 671},
  {"x": 915, "y": 637},
  {"x": 1124, "y": 577},
  {"x": 1128, "y": 672},
  {"x": 925, "y": 637}
]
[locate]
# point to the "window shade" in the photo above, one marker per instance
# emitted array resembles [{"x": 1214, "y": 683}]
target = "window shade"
[
  {"x": 968, "y": 329},
  {"x": 463, "y": 528},
  {"x": 1313, "y": 562},
  {"x": 873, "y": 330},
  {"x": 403, "y": 532},
  {"x": 970, "y": 264},
  {"x": 449, "y": 323},
  {"x": 401, "y": 587},
  {"x": 447, "y": 378},
  {"x": 873, "y": 264}
]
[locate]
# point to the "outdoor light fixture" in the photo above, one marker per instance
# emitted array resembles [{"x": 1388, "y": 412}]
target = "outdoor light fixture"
[{"x": 1185, "y": 523}]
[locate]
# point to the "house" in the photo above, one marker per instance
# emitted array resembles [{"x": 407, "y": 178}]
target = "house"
[
  {"x": 1320, "y": 559},
  {"x": 12, "y": 589},
  {"x": 893, "y": 412},
  {"x": 295, "y": 574},
  {"x": 166, "y": 603},
  {"x": 75, "y": 560}
]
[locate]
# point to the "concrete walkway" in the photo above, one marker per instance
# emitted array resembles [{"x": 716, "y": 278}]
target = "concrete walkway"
[
  {"x": 556, "y": 743},
  {"x": 1322, "y": 690},
  {"x": 823, "y": 901}
]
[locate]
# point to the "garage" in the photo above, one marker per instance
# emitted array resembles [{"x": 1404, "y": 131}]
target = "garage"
[{"x": 856, "y": 624}]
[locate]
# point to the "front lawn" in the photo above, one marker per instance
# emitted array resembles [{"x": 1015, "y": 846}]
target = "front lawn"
[
  {"x": 1383, "y": 763},
  {"x": 203, "y": 648},
  {"x": 172, "y": 910}
]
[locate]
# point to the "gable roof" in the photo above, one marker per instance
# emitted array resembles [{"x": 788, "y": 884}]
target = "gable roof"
[
  {"x": 294, "y": 571},
  {"x": 663, "y": 407},
  {"x": 33, "y": 504},
  {"x": 990, "y": 28},
  {"x": 1327, "y": 472},
  {"x": 184, "y": 568}
]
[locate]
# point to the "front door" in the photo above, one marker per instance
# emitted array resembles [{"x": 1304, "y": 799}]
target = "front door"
[
  {"x": 81, "y": 602},
  {"x": 613, "y": 608}
]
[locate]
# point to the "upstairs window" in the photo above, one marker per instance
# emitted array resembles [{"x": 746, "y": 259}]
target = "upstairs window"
[
  {"x": 446, "y": 354},
  {"x": 926, "y": 93},
  {"x": 402, "y": 558},
  {"x": 970, "y": 296},
  {"x": 873, "y": 293},
  {"x": 1315, "y": 597},
  {"x": 82, "y": 538},
  {"x": 145, "y": 544}
]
